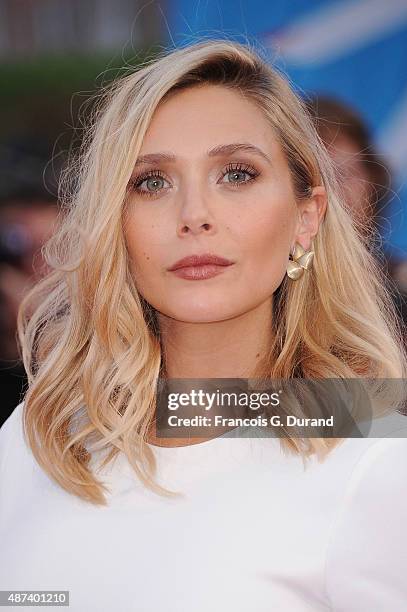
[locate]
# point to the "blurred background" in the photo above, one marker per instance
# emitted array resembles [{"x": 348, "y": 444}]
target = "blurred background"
[{"x": 346, "y": 58}]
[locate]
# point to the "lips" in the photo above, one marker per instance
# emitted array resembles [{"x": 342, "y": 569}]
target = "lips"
[
  {"x": 194, "y": 261},
  {"x": 200, "y": 267}
]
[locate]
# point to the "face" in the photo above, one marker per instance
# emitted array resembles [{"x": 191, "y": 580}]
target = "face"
[{"x": 202, "y": 198}]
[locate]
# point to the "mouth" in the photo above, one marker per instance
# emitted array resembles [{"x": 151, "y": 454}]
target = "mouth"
[{"x": 200, "y": 267}]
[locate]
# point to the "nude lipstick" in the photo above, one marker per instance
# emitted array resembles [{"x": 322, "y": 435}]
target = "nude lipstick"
[{"x": 200, "y": 267}]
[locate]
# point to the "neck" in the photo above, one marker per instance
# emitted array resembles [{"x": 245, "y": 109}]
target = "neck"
[{"x": 221, "y": 349}]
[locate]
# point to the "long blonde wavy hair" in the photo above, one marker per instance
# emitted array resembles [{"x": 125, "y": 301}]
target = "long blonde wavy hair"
[{"x": 89, "y": 341}]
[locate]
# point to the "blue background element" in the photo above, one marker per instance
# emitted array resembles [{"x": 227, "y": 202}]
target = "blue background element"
[{"x": 371, "y": 77}]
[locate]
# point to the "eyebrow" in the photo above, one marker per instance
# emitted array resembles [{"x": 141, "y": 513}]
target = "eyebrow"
[{"x": 220, "y": 150}]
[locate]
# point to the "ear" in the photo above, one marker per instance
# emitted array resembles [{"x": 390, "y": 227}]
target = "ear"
[{"x": 310, "y": 214}]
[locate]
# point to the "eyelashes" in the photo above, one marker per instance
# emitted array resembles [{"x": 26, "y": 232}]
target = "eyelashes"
[
  {"x": 139, "y": 180},
  {"x": 236, "y": 168}
]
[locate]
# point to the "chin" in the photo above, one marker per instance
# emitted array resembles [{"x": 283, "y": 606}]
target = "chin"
[{"x": 188, "y": 312}]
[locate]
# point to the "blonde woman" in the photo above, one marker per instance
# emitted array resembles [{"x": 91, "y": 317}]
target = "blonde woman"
[{"x": 205, "y": 238}]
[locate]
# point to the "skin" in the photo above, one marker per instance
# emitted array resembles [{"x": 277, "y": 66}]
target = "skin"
[{"x": 214, "y": 328}]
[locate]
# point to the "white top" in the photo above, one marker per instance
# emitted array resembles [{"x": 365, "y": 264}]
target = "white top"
[{"x": 253, "y": 532}]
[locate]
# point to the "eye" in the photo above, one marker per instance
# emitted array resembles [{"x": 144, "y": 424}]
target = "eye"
[
  {"x": 236, "y": 170},
  {"x": 154, "y": 180}
]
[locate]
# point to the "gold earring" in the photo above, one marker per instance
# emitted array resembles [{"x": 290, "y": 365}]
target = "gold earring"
[{"x": 301, "y": 260}]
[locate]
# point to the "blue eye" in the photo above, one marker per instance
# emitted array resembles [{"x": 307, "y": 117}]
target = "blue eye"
[
  {"x": 237, "y": 170},
  {"x": 154, "y": 179},
  {"x": 151, "y": 178}
]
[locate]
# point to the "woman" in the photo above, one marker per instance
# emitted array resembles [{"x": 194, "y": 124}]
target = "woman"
[{"x": 202, "y": 173}]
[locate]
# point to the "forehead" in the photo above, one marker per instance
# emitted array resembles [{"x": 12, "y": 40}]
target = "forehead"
[{"x": 203, "y": 116}]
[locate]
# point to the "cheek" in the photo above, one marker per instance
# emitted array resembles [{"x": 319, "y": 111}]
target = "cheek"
[
  {"x": 265, "y": 241},
  {"x": 144, "y": 247}
]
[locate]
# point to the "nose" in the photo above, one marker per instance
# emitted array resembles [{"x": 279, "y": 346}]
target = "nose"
[{"x": 194, "y": 216}]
